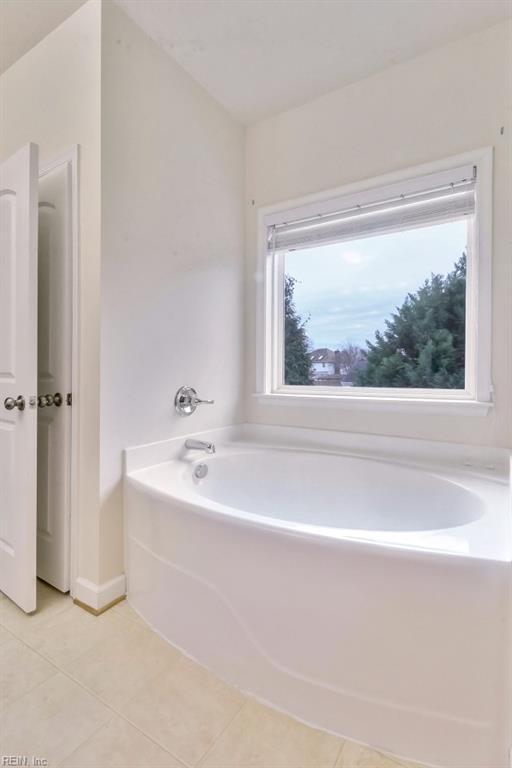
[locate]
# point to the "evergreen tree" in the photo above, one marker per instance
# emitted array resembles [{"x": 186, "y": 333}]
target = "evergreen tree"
[
  {"x": 297, "y": 360},
  {"x": 424, "y": 341}
]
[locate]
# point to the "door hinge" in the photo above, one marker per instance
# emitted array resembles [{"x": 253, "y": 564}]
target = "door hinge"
[{"x": 69, "y": 399}]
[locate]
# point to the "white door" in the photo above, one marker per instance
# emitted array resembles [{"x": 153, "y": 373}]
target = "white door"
[
  {"x": 54, "y": 374},
  {"x": 18, "y": 375}
]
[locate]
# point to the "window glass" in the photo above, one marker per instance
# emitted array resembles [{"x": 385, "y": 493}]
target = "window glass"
[{"x": 387, "y": 310}]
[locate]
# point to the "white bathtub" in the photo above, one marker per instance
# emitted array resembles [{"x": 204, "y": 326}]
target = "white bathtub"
[{"x": 360, "y": 584}]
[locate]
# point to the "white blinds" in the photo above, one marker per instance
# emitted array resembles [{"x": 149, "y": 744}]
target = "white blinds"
[{"x": 406, "y": 211}]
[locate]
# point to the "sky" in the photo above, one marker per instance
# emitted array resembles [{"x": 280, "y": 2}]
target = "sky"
[{"x": 348, "y": 289}]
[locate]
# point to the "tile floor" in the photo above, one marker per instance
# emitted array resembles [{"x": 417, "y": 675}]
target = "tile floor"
[{"x": 106, "y": 692}]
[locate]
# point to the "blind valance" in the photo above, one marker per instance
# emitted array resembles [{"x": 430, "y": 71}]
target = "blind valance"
[{"x": 403, "y": 211}]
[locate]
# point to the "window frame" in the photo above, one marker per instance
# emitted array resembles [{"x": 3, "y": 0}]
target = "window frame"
[{"x": 477, "y": 396}]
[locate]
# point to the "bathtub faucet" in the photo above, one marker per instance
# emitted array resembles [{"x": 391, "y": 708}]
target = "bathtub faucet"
[{"x": 200, "y": 445}]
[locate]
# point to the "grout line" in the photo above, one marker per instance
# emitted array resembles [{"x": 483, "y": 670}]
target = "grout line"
[
  {"x": 40, "y": 655},
  {"x": 11, "y": 636},
  {"x": 120, "y": 714},
  {"x": 49, "y": 658},
  {"x": 33, "y": 688},
  {"x": 340, "y": 751},
  {"x": 88, "y": 738},
  {"x": 222, "y": 732},
  {"x": 137, "y": 622},
  {"x": 126, "y": 615},
  {"x": 153, "y": 740},
  {"x": 42, "y": 624}
]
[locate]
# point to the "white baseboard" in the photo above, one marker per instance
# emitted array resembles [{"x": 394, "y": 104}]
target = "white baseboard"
[{"x": 97, "y": 596}]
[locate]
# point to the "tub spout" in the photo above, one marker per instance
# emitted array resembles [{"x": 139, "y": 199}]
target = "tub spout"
[{"x": 200, "y": 445}]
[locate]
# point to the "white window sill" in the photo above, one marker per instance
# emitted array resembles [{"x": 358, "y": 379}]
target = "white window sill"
[{"x": 433, "y": 406}]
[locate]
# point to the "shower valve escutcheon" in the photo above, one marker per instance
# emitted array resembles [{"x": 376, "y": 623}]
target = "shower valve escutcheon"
[{"x": 186, "y": 401}]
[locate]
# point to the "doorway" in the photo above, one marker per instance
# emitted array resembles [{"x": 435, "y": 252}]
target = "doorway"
[{"x": 55, "y": 344}]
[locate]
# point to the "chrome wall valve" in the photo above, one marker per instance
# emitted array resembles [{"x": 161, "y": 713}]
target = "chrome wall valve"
[{"x": 186, "y": 401}]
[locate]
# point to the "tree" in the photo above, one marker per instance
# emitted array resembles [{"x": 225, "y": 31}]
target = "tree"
[
  {"x": 297, "y": 359},
  {"x": 351, "y": 358},
  {"x": 424, "y": 341}
]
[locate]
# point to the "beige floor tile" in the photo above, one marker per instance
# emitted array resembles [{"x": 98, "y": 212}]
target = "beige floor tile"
[
  {"x": 117, "y": 669},
  {"x": 119, "y": 745},
  {"x": 50, "y": 602},
  {"x": 184, "y": 710},
  {"x": 69, "y": 634},
  {"x": 260, "y": 737},
  {"x": 21, "y": 670},
  {"x": 124, "y": 609},
  {"x": 51, "y": 721},
  {"x": 356, "y": 756},
  {"x": 178, "y": 704}
]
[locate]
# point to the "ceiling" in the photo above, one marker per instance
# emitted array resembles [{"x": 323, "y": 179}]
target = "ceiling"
[
  {"x": 23, "y": 23},
  {"x": 258, "y": 57}
]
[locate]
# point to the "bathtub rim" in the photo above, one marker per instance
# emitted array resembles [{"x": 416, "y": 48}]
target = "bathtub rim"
[{"x": 476, "y": 461}]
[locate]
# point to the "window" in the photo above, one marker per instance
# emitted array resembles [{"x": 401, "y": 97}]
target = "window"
[{"x": 382, "y": 293}]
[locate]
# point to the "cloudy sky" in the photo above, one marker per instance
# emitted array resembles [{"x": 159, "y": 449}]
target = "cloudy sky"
[{"x": 349, "y": 289}]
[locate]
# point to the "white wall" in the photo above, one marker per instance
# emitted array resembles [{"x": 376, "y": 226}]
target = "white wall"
[
  {"x": 51, "y": 96},
  {"x": 448, "y": 101},
  {"x": 172, "y": 256}
]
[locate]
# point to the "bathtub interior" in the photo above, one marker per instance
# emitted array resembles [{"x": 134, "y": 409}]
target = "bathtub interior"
[
  {"x": 452, "y": 503},
  {"x": 333, "y": 490}
]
